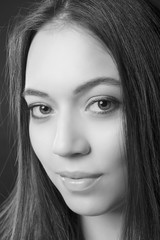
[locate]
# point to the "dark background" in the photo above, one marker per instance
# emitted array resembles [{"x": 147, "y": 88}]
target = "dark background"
[{"x": 8, "y": 9}]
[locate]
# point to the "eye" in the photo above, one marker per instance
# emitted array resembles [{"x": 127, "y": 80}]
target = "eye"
[
  {"x": 40, "y": 111},
  {"x": 103, "y": 105}
]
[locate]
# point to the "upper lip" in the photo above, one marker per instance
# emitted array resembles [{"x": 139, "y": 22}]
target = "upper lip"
[{"x": 78, "y": 175}]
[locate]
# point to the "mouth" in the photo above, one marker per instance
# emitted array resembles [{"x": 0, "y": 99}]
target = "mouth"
[{"x": 79, "y": 181}]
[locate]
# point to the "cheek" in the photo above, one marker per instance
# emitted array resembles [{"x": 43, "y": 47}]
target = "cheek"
[
  {"x": 108, "y": 147},
  {"x": 107, "y": 142},
  {"x": 41, "y": 141}
]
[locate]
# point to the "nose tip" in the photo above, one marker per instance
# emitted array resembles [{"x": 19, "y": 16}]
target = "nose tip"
[
  {"x": 67, "y": 149},
  {"x": 68, "y": 142}
]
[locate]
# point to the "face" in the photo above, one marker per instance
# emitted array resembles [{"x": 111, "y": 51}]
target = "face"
[{"x": 73, "y": 91}]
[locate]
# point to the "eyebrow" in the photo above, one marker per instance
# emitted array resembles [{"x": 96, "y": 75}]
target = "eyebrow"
[
  {"x": 94, "y": 82},
  {"x": 82, "y": 88}
]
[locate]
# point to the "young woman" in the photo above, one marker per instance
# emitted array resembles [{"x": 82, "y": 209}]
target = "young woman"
[{"x": 85, "y": 94}]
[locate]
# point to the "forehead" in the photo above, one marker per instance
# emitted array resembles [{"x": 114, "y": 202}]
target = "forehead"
[{"x": 67, "y": 56}]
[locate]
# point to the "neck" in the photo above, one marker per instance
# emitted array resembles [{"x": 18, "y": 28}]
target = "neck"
[{"x": 107, "y": 226}]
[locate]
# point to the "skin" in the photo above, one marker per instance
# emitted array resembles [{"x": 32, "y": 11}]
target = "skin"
[{"x": 71, "y": 133}]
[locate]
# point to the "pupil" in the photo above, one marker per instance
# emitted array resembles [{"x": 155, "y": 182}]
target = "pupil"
[
  {"x": 44, "y": 109},
  {"x": 103, "y": 104}
]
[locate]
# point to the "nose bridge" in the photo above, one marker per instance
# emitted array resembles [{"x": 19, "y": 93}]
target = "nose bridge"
[
  {"x": 69, "y": 137},
  {"x": 66, "y": 127}
]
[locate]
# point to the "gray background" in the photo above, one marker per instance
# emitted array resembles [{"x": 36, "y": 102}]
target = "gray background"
[{"x": 8, "y": 9}]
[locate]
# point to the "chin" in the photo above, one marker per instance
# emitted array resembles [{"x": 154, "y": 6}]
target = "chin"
[{"x": 90, "y": 207}]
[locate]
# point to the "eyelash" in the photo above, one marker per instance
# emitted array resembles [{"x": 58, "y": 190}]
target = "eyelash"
[
  {"x": 111, "y": 100},
  {"x": 33, "y": 108},
  {"x": 113, "y": 105}
]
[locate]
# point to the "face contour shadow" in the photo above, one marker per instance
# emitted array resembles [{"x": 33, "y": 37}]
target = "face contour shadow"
[{"x": 73, "y": 91}]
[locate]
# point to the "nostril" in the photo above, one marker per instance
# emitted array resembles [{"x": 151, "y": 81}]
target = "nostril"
[{"x": 79, "y": 154}]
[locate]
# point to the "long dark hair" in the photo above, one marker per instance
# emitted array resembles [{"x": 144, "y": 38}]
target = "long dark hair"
[{"x": 130, "y": 29}]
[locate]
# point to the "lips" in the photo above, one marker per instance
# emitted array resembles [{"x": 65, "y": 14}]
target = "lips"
[{"x": 79, "y": 181}]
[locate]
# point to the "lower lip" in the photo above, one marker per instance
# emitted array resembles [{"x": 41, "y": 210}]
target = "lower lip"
[{"x": 78, "y": 185}]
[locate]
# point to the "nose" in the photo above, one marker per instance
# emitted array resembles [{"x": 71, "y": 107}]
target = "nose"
[{"x": 69, "y": 139}]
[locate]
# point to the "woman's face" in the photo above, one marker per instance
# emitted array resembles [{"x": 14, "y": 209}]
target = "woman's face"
[{"x": 73, "y": 91}]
